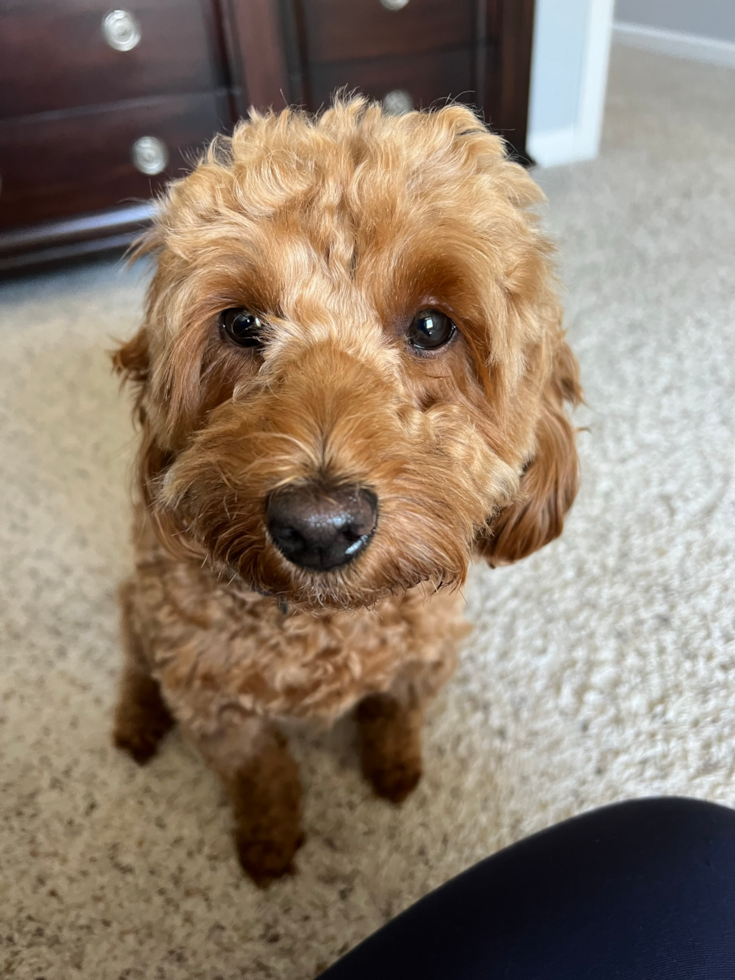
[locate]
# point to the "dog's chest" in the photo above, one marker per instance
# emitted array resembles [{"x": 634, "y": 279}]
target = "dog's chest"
[{"x": 215, "y": 649}]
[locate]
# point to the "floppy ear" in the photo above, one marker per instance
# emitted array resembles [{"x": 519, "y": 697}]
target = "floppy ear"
[
  {"x": 551, "y": 479},
  {"x": 132, "y": 362}
]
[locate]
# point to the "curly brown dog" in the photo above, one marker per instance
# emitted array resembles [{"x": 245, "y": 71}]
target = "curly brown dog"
[{"x": 350, "y": 382}]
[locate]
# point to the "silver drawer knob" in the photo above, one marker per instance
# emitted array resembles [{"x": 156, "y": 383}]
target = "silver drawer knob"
[
  {"x": 394, "y": 4},
  {"x": 397, "y": 102},
  {"x": 121, "y": 30},
  {"x": 149, "y": 155}
]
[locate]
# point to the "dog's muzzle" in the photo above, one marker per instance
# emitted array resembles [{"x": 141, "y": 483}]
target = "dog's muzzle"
[{"x": 321, "y": 528}]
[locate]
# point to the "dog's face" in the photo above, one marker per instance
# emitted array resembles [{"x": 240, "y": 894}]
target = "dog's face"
[{"x": 352, "y": 372}]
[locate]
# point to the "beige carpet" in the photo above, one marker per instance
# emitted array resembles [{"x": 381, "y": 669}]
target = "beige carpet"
[{"x": 602, "y": 668}]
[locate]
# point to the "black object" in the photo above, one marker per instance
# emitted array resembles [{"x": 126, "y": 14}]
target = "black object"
[{"x": 642, "y": 890}]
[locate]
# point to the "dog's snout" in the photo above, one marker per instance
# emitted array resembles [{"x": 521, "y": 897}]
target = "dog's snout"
[{"x": 321, "y": 529}]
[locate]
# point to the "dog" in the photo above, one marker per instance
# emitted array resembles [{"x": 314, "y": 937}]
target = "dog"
[{"x": 351, "y": 381}]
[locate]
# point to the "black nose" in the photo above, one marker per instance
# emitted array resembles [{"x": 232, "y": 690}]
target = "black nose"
[{"x": 320, "y": 528}]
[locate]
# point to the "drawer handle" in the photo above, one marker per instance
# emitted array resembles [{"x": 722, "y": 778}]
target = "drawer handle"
[
  {"x": 397, "y": 102},
  {"x": 149, "y": 155},
  {"x": 121, "y": 30},
  {"x": 394, "y": 4}
]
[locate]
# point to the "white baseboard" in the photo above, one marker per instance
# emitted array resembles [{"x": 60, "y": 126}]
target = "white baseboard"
[
  {"x": 560, "y": 146},
  {"x": 676, "y": 43}
]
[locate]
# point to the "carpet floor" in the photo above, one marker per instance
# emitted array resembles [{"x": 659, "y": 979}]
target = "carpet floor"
[{"x": 600, "y": 669}]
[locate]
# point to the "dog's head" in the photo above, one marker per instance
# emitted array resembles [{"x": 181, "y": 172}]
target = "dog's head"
[{"x": 352, "y": 374}]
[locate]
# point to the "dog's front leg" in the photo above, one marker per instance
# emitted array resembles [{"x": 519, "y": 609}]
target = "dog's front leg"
[
  {"x": 261, "y": 778},
  {"x": 141, "y": 717},
  {"x": 390, "y": 741}
]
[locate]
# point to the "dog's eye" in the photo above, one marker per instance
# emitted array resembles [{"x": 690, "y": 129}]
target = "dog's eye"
[
  {"x": 430, "y": 329},
  {"x": 242, "y": 326}
]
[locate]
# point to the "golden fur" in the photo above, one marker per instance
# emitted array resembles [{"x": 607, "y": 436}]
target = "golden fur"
[{"x": 336, "y": 230}]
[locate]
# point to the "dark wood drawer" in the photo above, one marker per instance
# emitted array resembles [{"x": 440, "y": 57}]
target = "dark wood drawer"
[
  {"x": 54, "y": 55},
  {"x": 427, "y": 78},
  {"x": 72, "y": 105},
  {"x": 338, "y": 30},
  {"x": 55, "y": 166}
]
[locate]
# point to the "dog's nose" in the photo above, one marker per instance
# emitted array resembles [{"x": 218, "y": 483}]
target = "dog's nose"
[{"x": 321, "y": 529}]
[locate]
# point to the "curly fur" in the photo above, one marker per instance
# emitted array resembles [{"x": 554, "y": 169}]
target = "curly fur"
[{"x": 336, "y": 229}]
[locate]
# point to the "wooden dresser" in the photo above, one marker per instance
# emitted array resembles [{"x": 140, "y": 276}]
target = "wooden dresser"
[{"x": 99, "y": 106}]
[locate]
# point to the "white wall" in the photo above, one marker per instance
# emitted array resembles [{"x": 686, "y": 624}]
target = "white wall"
[
  {"x": 571, "y": 48},
  {"x": 700, "y": 29},
  {"x": 704, "y": 18}
]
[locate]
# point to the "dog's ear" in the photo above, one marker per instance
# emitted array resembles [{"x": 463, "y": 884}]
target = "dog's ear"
[
  {"x": 550, "y": 481},
  {"x": 132, "y": 363},
  {"x": 131, "y": 360}
]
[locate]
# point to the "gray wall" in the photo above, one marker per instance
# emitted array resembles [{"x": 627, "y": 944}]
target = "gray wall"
[{"x": 706, "y": 18}]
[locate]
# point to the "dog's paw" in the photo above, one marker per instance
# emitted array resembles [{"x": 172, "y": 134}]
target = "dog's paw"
[
  {"x": 394, "y": 781},
  {"x": 266, "y": 860},
  {"x": 139, "y": 733},
  {"x": 142, "y": 718},
  {"x": 139, "y": 745}
]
